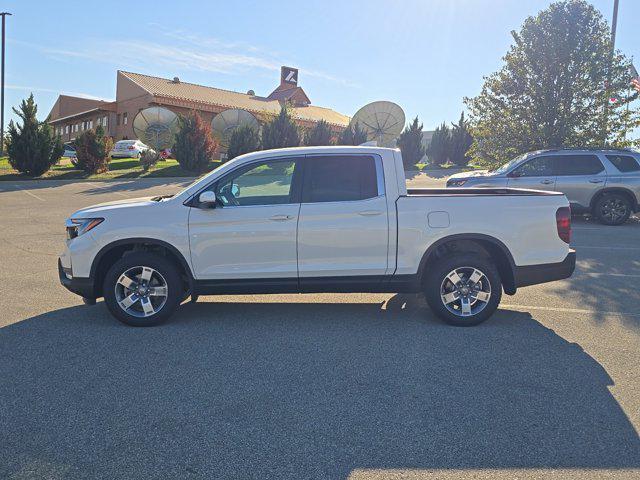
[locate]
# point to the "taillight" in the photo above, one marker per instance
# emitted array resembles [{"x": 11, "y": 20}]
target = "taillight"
[
  {"x": 563, "y": 223},
  {"x": 131, "y": 147}
]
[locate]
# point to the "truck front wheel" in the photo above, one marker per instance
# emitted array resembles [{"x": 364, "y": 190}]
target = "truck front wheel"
[{"x": 463, "y": 290}]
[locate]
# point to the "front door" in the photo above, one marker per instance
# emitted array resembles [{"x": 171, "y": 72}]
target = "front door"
[
  {"x": 252, "y": 231},
  {"x": 343, "y": 229},
  {"x": 537, "y": 174}
]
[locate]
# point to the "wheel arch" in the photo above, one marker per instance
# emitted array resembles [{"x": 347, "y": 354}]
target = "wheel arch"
[
  {"x": 493, "y": 247},
  {"x": 115, "y": 250},
  {"x": 620, "y": 190}
]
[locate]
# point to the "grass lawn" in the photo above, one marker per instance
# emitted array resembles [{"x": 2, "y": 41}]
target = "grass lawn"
[{"x": 118, "y": 168}]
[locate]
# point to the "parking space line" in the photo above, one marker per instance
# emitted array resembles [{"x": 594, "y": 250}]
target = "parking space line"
[
  {"x": 607, "y": 247},
  {"x": 602, "y": 274},
  {"x": 571, "y": 310},
  {"x": 31, "y": 194}
]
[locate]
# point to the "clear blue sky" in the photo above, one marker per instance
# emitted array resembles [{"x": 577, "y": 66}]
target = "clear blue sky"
[{"x": 426, "y": 55}]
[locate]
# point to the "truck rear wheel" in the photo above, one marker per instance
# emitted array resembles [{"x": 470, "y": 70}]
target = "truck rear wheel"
[
  {"x": 142, "y": 289},
  {"x": 463, "y": 290}
]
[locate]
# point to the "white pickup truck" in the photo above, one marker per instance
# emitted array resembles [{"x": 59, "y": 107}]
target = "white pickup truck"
[{"x": 317, "y": 219}]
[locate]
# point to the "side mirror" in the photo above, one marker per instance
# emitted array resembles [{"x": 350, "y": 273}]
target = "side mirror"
[{"x": 207, "y": 199}]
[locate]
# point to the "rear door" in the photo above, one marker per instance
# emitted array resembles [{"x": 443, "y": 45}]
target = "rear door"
[
  {"x": 537, "y": 174},
  {"x": 580, "y": 177},
  {"x": 343, "y": 228}
]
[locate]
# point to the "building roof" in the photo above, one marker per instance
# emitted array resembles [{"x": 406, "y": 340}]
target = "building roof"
[
  {"x": 104, "y": 107},
  {"x": 200, "y": 94}
]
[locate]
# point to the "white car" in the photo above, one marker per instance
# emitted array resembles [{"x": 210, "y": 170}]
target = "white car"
[
  {"x": 317, "y": 219},
  {"x": 128, "y": 149}
]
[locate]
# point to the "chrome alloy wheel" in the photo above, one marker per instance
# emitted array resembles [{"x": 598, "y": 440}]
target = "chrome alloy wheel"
[
  {"x": 465, "y": 291},
  {"x": 141, "y": 291},
  {"x": 613, "y": 209}
]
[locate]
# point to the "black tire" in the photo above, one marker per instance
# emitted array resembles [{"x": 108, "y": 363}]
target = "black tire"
[
  {"x": 612, "y": 209},
  {"x": 438, "y": 272},
  {"x": 169, "y": 273}
]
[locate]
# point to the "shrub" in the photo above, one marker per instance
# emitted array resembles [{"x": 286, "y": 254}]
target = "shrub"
[
  {"x": 31, "y": 146},
  {"x": 149, "y": 158},
  {"x": 320, "y": 134},
  {"x": 410, "y": 143},
  {"x": 461, "y": 141},
  {"x": 243, "y": 140},
  {"x": 194, "y": 147},
  {"x": 92, "y": 151},
  {"x": 440, "y": 146},
  {"x": 352, "y": 135},
  {"x": 280, "y": 132}
]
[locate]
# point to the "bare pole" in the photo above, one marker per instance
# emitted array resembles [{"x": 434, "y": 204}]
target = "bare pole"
[
  {"x": 614, "y": 27},
  {"x": 4, "y": 15}
]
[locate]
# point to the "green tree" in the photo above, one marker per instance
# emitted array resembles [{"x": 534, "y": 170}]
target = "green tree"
[
  {"x": 194, "y": 147},
  {"x": 553, "y": 89},
  {"x": 92, "y": 151},
  {"x": 410, "y": 143},
  {"x": 352, "y": 135},
  {"x": 243, "y": 140},
  {"x": 281, "y": 131},
  {"x": 320, "y": 134},
  {"x": 461, "y": 141},
  {"x": 31, "y": 146},
  {"x": 440, "y": 146}
]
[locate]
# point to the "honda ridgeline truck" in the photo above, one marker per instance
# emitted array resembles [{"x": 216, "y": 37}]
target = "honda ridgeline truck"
[{"x": 317, "y": 219}]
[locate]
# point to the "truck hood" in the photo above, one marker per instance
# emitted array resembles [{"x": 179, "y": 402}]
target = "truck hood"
[
  {"x": 472, "y": 173},
  {"x": 109, "y": 207}
]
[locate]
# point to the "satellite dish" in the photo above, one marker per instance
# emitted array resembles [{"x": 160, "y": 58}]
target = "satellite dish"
[
  {"x": 224, "y": 123},
  {"x": 156, "y": 126},
  {"x": 381, "y": 121}
]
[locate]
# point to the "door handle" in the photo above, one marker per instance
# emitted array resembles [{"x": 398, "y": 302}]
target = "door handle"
[
  {"x": 370, "y": 213},
  {"x": 280, "y": 218},
  {"x": 596, "y": 180},
  {"x": 546, "y": 182}
]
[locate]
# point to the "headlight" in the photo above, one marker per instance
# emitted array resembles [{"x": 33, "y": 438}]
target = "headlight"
[
  {"x": 79, "y": 226},
  {"x": 456, "y": 182}
]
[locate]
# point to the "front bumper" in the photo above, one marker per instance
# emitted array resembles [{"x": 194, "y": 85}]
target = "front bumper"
[
  {"x": 80, "y": 286},
  {"x": 546, "y": 272}
]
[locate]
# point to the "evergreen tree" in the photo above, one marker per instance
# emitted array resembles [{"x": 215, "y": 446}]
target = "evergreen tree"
[
  {"x": 320, "y": 134},
  {"x": 194, "y": 147},
  {"x": 31, "y": 146},
  {"x": 352, "y": 135},
  {"x": 281, "y": 131},
  {"x": 439, "y": 148},
  {"x": 92, "y": 151},
  {"x": 410, "y": 143},
  {"x": 554, "y": 88},
  {"x": 461, "y": 141},
  {"x": 243, "y": 140}
]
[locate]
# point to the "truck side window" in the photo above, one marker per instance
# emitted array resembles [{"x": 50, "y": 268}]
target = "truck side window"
[
  {"x": 339, "y": 178},
  {"x": 536, "y": 167},
  {"x": 578, "y": 165},
  {"x": 624, "y": 163},
  {"x": 264, "y": 183}
]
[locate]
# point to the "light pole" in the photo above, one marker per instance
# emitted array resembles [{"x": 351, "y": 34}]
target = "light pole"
[
  {"x": 614, "y": 26},
  {"x": 4, "y": 15}
]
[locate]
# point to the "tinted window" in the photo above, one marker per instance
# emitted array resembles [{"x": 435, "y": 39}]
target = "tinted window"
[
  {"x": 537, "y": 167},
  {"x": 339, "y": 178},
  {"x": 265, "y": 183},
  {"x": 624, "y": 163},
  {"x": 578, "y": 165}
]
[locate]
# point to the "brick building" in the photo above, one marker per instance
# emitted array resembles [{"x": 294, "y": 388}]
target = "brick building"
[{"x": 134, "y": 92}]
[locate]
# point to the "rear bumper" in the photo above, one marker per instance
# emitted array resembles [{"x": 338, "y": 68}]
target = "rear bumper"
[
  {"x": 80, "y": 286},
  {"x": 546, "y": 272}
]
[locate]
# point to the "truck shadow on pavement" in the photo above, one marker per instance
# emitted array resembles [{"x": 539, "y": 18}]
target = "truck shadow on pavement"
[{"x": 299, "y": 390}]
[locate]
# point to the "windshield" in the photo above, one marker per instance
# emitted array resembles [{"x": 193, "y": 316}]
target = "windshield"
[
  {"x": 198, "y": 179},
  {"x": 504, "y": 168}
]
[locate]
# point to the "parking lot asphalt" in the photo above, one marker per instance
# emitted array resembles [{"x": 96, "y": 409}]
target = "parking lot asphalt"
[{"x": 364, "y": 386}]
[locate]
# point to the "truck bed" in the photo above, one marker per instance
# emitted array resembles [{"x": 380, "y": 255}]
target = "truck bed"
[{"x": 474, "y": 192}]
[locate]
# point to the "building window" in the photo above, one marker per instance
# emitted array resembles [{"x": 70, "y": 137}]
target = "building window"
[
  {"x": 124, "y": 118},
  {"x": 66, "y": 129},
  {"x": 90, "y": 124},
  {"x": 118, "y": 119},
  {"x": 105, "y": 121}
]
